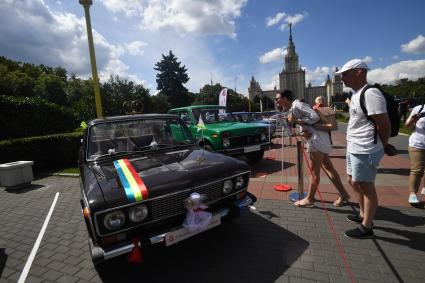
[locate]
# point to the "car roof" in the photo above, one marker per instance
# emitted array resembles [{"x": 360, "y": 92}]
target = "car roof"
[
  {"x": 197, "y": 107},
  {"x": 130, "y": 117}
]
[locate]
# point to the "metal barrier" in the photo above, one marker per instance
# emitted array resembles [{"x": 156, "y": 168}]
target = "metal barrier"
[{"x": 295, "y": 196}]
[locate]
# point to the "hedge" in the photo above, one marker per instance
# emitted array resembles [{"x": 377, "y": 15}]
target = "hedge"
[
  {"x": 26, "y": 117},
  {"x": 48, "y": 152}
]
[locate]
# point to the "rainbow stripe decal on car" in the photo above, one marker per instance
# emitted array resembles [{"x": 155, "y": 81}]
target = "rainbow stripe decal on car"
[{"x": 134, "y": 186}]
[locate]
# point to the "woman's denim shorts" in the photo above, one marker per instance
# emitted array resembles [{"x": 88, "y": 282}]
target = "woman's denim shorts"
[{"x": 363, "y": 167}]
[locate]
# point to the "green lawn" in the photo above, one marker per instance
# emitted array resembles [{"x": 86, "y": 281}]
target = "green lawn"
[
  {"x": 72, "y": 170},
  {"x": 342, "y": 118}
]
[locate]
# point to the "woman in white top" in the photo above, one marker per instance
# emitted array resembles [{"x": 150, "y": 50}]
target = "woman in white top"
[
  {"x": 416, "y": 120},
  {"x": 318, "y": 146}
]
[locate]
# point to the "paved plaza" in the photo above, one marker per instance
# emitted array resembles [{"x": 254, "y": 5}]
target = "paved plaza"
[{"x": 275, "y": 242}]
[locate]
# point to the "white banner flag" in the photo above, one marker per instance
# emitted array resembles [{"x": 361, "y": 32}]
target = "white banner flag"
[{"x": 222, "y": 99}]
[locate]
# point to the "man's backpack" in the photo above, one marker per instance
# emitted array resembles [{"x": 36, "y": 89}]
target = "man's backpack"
[
  {"x": 392, "y": 110},
  {"x": 327, "y": 121}
]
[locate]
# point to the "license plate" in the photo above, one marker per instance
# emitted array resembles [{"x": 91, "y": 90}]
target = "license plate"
[
  {"x": 182, "y": 233},
  {"x": 252, "y": 148}
]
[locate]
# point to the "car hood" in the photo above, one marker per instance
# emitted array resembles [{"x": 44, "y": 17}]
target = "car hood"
[{"x": 162, "y": 173}]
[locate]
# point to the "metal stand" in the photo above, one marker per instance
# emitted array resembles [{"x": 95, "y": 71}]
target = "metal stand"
[
  {"x": 270, "y": 157},
  {"x": 295, "y": 196},
  {"x": 282, "y": 187}
]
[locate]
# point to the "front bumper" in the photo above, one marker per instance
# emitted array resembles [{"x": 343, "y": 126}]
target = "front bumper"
[
  {"x": 243, "y": 150},
  {"x": 99, "y": 254}
]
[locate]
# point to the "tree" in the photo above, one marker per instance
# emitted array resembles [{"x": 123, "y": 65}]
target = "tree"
[
  {"x": 51, "y": 88},
  {"x": 116, "y": 91},
  {"x": 170, "y": 79},
  {"x": 208, "y": 94}
]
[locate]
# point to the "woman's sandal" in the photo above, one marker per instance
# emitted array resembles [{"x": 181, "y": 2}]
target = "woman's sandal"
[
  {"x": 341, "y": 201},
  {"x": 303, "y": 203}
]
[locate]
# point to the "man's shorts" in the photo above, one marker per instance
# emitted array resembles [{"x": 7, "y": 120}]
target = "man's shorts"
[{"x": 363, "y": 167}]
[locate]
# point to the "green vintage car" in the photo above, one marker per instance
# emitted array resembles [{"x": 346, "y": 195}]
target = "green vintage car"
[{"x": 222, "y": 133}]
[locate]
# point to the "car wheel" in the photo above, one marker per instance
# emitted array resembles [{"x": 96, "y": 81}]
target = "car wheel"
[{"x": 255, "y": 156}]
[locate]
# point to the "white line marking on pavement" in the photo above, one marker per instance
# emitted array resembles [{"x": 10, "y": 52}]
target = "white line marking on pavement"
[{"x": 37, "y": 242}]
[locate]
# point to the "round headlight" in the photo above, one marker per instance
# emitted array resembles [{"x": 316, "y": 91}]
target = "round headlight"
[
  {"x": 227, "y": 186},
  {"x": 114, "y": 220},
  {"x": 138, "y": 213},
  {"x": 263, "y": 137},
  {"x": 239, "y": 182},
  {"x": 226, "y": 142}
]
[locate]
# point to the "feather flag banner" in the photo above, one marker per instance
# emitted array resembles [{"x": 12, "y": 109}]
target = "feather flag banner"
[
  {"x": 222, "y": 99},
  {"x": 200, "y": 125}
]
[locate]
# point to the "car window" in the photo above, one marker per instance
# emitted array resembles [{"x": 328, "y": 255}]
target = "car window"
[
  {"x": 213, "y": 115},
  {"x": 135, "y": 135}
]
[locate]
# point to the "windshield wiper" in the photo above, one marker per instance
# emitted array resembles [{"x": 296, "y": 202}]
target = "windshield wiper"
[{"x": 114, "y": 153}]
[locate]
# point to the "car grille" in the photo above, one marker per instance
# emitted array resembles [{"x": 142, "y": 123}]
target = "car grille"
[
  {"x": 171, "y": 205},
  {"x": 244, "y": 140}
]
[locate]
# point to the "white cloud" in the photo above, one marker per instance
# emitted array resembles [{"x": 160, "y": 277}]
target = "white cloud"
[
  {"x": 395, "y": 57},
  {"x": 367, "y": 59},
  {"x": 129, "y": 8},
  {"x": 317, "y": 76},
  {"x": 271, "y": 21},
  {"x": 296, "y": 18},
  {"x": 411, "y": 69},
  {"x": 293, "y": 20},
  {"x": 274, "y": 55},
  {"x": 183, "y": 16},
  {"x": 135, "y": 47},
  {"x": 32, "y": 32},
  {"x": 272, "y": 84},
  {"x": 415, "y": 46}
]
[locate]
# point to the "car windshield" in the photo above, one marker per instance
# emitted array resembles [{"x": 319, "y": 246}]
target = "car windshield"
[
  {"x": 213, "y": 115},
  {"x": 138, "y": 135},
  {"x": 248, "y": 117}
]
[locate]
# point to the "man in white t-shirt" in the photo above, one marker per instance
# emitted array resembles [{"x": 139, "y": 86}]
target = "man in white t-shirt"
[{"x": 363, "y": 152}]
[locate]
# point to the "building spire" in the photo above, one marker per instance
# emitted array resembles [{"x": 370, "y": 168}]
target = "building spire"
[{"x": 290, "y": 32}]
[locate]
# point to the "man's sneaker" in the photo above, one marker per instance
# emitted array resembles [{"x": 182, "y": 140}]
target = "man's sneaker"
[
  {"x": 423, "y": 191},
  {"x": 360, "y": 233},
  {"x": 413, "y": 199},
  {"x": 356, "y": 219}
]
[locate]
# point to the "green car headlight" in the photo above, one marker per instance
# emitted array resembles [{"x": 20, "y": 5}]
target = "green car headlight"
[{"x": 226, "y": 142}]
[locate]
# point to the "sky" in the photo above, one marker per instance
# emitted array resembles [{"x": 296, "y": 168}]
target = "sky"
[{"x": 226, "y": 41}]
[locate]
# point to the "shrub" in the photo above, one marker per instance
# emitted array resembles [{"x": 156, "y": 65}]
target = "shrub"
[
  {"x": 342, "y": 118},
  {"x": 25, "y": 117},
  {"x": 47, "y": 152}
]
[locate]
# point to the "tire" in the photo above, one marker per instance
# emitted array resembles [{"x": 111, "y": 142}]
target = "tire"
[{"x": 255, "y": 156}]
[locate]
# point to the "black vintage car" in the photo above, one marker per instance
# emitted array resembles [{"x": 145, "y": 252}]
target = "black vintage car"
[{"x": 137, "y": 172}]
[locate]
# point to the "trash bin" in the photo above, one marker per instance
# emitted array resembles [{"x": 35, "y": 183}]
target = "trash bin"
[{"x": 16, "y": 174}]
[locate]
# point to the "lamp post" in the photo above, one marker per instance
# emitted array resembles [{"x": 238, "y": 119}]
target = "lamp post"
[{"x": 86, "y": 4}]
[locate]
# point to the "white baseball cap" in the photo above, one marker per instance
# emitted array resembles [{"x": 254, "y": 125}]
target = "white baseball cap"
[{"x": 353, "y": 64}]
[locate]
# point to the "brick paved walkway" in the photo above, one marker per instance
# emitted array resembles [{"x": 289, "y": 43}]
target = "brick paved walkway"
[
  {"x": 276, "y": 242},
  {"x": 391, "y": 181}
]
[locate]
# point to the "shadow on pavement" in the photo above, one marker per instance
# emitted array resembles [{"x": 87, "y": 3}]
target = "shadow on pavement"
[
  {"x": 413, "y": 240},
  {"x": 3, "y": 259},
  {"x": 270, "y": 167},
  {"x": 249, "y": 249},
  {"x": 25, "y": 189},
  {"x": 394, "y": 171}
]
